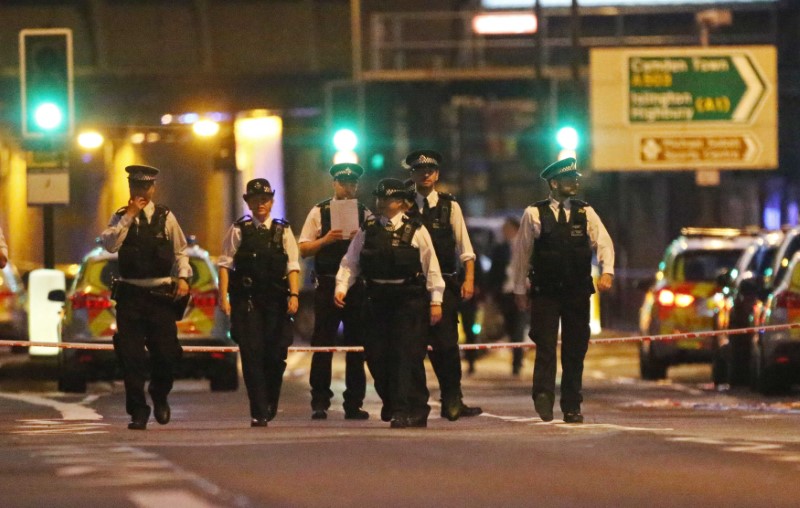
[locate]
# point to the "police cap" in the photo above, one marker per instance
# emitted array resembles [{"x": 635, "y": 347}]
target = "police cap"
[
  {"x": 141, "y": 173},
  {"x": 422, "y": 159},
  {"x": 346, "y": 171},
  {"x": 258, "y": 187},
  {"x": 393, "y": 188},
  {"x": 561, "y": 167}
]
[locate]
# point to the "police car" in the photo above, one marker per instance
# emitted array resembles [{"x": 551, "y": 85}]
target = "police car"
[
  {"x": 681, "y": 299},
  {"x": 90, "y": 317},
  {"x": 742, "y": 290},
  {"x": 775, "y": 355}
]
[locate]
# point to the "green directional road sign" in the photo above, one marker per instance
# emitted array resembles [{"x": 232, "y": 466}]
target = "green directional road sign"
[
  {"x": 675, "y": 88},
  {"x": 684, "y": 108}
]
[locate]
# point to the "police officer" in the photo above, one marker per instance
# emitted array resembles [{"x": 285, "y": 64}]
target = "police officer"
[
  {"x": 554, "y": 246},
  {"x": 396, "y": 258},
  {"x": 3, "y": 250},
  {"x": 328, "y": 246},
  {"x": 442, "y": 217},
  {"x": 259, "y": 268},
  {"x": 154, "y": 268}
]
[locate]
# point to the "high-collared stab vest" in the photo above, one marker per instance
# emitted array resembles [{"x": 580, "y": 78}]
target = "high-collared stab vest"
[
  {"x": 561, "y": 262},
  {"x": 389, "y": 255},
  {"x": 327, "y": 260},
  {"x": 437, "y": 221},
  {"x": 260, "y": 261},
  {"x": 147, "y": 252}
]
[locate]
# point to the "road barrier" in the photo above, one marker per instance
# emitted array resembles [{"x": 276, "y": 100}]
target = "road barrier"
[{"x": 463, "y": 347}]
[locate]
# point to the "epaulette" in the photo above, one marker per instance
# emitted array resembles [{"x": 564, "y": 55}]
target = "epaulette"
[
  {"x": 244, "y": 219},
  {"x": 543, "y": 202},
  {"x": 121, "y": 211},
  {"x": 369, "y": 222},
  {"x": 414, "y": 221},
  {"x": 447, "y": 196},
  {"x": 323, "y": 202},
  {"x": 281, "y": 222}
]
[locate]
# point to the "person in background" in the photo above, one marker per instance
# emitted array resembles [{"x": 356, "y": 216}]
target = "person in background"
[
  {"x": 259, "y": 269},
  {"x": 328, "y": 246},
  {"x": 154, "y": 269},
  {"x": 500, "y": 283}
]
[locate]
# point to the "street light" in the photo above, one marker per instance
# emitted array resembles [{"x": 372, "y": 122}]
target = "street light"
[
  {"x": 205, "y": 128},
  {"x": 90, "y": 140}
]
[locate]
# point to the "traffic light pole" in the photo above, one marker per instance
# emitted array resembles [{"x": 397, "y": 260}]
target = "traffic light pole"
[{"x": 49, "y": 235}]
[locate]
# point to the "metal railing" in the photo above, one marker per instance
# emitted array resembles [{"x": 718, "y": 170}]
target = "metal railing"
[{"x": 424, "y": 45}]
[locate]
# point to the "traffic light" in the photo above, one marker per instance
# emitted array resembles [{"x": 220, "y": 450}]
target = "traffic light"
[
  {"x": 45, "y": 59},
  {"x": 568, "y": 141},
  {"x": 345, "y": 142}
]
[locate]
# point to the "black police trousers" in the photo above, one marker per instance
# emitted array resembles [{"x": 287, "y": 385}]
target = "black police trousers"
[
  {"x": 327, "y": 317},
  {"x": 572, "y": 311},
  {"x": 145, "y": 324},
  {"x": 444, "y": 355},
  {"x": 258, "y": 325},
  {"x": 395, "y": 345}
]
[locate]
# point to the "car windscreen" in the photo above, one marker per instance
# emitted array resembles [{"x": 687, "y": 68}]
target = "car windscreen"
[{"x": 704, "y": 265}]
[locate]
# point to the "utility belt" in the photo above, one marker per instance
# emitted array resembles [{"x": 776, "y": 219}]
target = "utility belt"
[
  {"x": 163, "y": 294},
  {"x": 410, "y": 286},
  {"x": 247, "y": 288}
]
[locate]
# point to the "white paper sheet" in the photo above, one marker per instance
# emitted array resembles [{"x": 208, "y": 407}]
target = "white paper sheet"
[{"x": 344, "y": 216}]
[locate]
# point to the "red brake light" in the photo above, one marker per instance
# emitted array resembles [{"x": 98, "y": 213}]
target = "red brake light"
[
  {"x": 788, "y": 300},
  {"x": 90, "y": 301},
  {"x": 205, "y": 299},
  {"x": 667, "y": 298}
]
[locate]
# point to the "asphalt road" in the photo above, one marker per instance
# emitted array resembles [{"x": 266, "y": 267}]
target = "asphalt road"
[{"x": 676, "y": 443}]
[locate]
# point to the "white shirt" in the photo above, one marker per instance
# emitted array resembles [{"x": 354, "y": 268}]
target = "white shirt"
[
  {"x": 349, "y": 269},
  {"x": 463, "y": 244},
  {"x": 3, "y": 244},
  {"x": 116, "y": 232},
  {"x": 233, "y": 239},
  {"x": 312, "y": 229},
  {"x": 531, "y": 227}
]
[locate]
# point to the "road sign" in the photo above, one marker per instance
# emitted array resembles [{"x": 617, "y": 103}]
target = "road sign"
[
  {"x": 48, "y": 186},
  {"x": 684, "y": 108}
]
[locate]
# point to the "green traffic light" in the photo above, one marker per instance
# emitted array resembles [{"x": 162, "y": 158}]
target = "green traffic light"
[
  {"x": 567, "y": 138},
  {"x": 48, "y": 116},
  {"x": 377, "y": 161},
  {"x": 345, "y": 140}
]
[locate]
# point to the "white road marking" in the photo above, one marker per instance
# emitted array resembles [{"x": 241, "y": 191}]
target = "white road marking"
[
  {"x": 68, "y": 410},
  {"x": 159, "y": 498}
]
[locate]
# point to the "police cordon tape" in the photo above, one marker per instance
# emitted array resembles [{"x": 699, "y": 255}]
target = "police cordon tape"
[{"x": 463, "y": 347}]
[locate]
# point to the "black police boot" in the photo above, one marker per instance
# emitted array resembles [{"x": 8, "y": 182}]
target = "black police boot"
[
  {"x": 386, "y": 414},
  {"x": 543, "y": 403},
  {"x": 319, "y": 414},
  {"x": 467, "y": 411},
  {"x": 417, "y": 421},
  {"x": 272, "y": 410},
  {"x": 355, "y": 414},
  {"x": 161, "y": 411},
  {"x": 399, "y": 422},
  {"x": 573, "y": 417},
  {"x": 451, "y": 409},
  {"x": 259, "y": 422},
  {"x": 139, "y": 420}
]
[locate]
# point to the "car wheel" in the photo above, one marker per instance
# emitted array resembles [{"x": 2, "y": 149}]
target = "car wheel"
[
  {"x": 764, "y": 378},
  {"x": 650, "y": 368},
  {"x": 225, "y": 376},
  {"x": 72, "y": 376}
]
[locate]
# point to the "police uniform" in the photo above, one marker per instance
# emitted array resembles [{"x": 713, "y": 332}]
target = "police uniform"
[
  {"x": 397, "y": 260},
  {"x": 327, "y": 316},
  {"x": 444, "y": 220},
  {"x": 152, "y": 253},
  {"x": 554, "y": 249},
  {"x": 259, "y": 256}
]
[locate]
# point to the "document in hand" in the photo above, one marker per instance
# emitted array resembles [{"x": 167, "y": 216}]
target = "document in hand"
[{"x": 344, "y": 216}]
